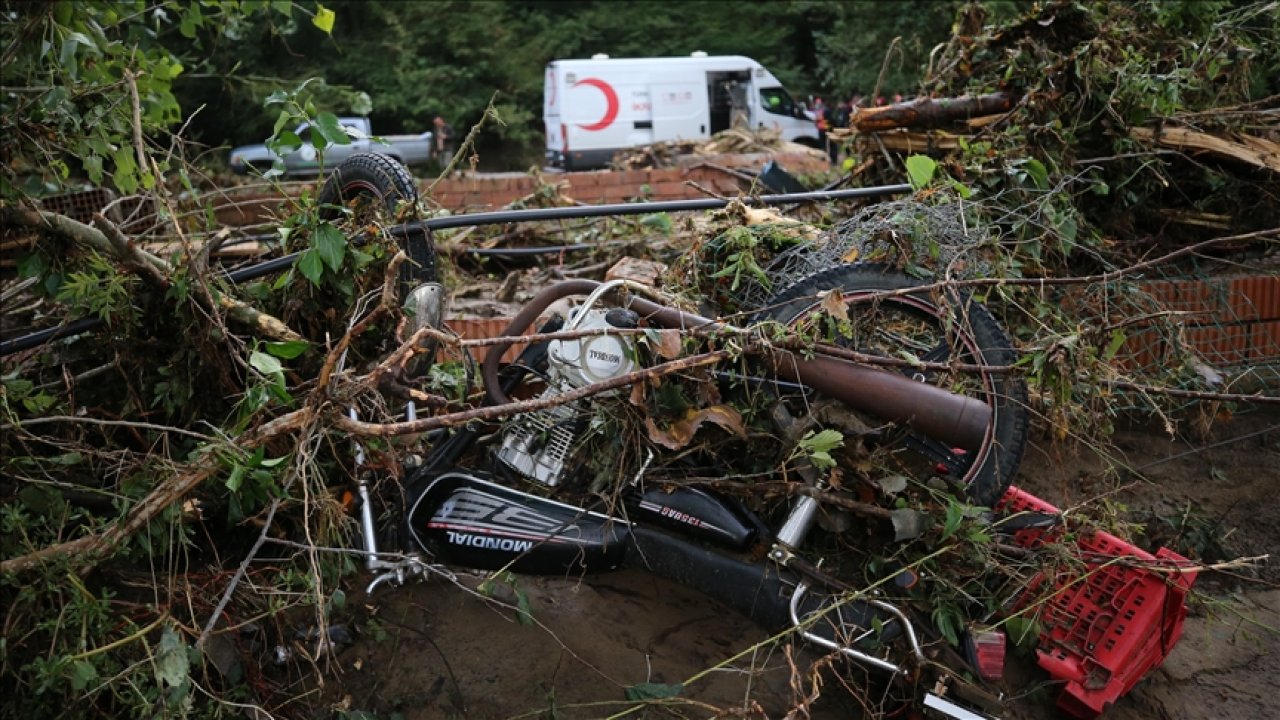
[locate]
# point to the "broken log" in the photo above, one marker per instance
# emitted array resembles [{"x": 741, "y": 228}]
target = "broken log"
[
  {"x": 1247, "y": 149},
  {"x": 929, "y": 113},
  {"x": 910, "y": 142}
]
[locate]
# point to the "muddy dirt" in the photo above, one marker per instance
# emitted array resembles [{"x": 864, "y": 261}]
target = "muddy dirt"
[{"x": 434, "y": 650}]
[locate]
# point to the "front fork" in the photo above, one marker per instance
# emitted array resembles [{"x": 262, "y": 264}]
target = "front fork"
[
  {"x": 397, "y": 568},
  {"x": 794, "y": 530},
  {"x": 424, "y": 306}
]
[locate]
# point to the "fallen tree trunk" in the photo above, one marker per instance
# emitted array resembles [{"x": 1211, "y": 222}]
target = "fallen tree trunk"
[{"x": 929, "y": 113}]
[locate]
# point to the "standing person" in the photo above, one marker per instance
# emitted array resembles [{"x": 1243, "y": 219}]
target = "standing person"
[
  {"x": 839, "y": 119},
  {"x": 441, "y": 141},
  {"x": 820, "y": 120}
]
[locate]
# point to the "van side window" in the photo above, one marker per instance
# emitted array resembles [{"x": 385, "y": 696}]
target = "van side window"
[{"x": 777, "y": 101}]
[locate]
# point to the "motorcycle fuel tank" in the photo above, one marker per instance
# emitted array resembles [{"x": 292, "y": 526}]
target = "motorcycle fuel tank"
[
  {"x": 469, "y": 521},
  {"x": 695, "y": 512}
]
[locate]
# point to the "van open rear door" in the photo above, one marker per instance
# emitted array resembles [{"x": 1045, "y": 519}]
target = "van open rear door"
[{"x": 552, "y": 123}]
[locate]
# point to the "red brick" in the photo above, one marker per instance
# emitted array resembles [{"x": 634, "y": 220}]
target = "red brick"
[
  {"x": 670, "y": 190},
  {"x": 619, "y": 193},
  {"x": 1256, "y": 298},
  {"x": 1264, "y": 342}
]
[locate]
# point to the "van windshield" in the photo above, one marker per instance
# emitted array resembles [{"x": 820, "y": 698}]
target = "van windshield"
[{"x": 777, "y": 101}]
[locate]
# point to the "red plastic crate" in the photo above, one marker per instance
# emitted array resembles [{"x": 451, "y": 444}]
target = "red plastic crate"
[{"x": 1107, "y": 624}]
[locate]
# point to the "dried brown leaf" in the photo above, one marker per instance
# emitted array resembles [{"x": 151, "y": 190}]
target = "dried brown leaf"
[{"x": 680, "y": 433}]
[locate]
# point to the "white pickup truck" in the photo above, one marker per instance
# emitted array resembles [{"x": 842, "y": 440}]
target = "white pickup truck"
[{"x": 408, "y": 149}]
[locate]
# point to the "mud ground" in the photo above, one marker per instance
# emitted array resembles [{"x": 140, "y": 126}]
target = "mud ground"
[{"x": 433, "y": 650}]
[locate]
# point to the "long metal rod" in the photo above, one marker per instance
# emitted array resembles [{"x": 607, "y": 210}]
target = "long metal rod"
[{"x": 500, "y": 217}]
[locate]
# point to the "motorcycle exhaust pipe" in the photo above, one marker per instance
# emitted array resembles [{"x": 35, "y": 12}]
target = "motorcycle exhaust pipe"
[{"x": 957, "y": 420}]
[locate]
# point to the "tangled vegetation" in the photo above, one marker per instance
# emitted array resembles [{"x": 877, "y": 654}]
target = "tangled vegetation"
[{"x": 143, "y": 462}]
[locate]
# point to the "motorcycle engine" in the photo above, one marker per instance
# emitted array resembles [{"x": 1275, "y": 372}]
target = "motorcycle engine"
[{"x": 538, "y": 445}]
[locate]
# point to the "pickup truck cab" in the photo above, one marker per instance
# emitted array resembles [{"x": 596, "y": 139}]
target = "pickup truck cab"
[{"x": 408, "y": 149}]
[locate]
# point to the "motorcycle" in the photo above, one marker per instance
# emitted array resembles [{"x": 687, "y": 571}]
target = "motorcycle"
[{"x": 851, "y": 364}]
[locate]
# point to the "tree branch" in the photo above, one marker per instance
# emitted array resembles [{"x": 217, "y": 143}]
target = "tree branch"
[{"x": 108, "y": 240}]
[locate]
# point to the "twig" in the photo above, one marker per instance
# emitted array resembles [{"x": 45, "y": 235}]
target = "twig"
[
  {"x": 122, "y": 641},
  {"x": 1192, "y": 394},
  {"x": 239, "y": 575},
  {"x": 131, "y": 79},
  {"x": 131, "y": 255},
  {"x": 92, "y": 548},
  {"x": 467, "y": 143},
  {"x": 138, "y": 259},
  {"x": 1189, "y": 567},
  {"x": 1195, "y": 451},
  {"x": 494, "y": 412},
  {"x": 24, "y": 424}
]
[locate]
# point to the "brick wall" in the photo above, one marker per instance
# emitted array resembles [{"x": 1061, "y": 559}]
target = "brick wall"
[
  {"x": 1230, "y": 322},
  {"x": 478, "y": 194},
  {"x": 596, "y": 188},
  {"x": 721, "y": 174}
]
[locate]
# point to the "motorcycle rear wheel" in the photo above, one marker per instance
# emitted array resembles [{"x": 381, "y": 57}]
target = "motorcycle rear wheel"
[{"x": 938, "y": 327}]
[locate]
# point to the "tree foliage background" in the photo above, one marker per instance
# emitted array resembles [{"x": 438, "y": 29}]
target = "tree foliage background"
[{"x": 418, "y": 59}]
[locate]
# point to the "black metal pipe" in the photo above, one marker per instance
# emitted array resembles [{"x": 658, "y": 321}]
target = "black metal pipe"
[
  {"x": 408, "y": 230},
  {"x": 582, "y": 211}
]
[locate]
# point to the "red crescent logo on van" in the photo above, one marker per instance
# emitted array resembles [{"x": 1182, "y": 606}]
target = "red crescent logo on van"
[{"x": 610, "y": 98}]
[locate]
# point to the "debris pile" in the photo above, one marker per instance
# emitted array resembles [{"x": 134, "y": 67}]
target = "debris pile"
[
  {"x": 1126, "y": 125},
  {"x": 733, "y": 141}
]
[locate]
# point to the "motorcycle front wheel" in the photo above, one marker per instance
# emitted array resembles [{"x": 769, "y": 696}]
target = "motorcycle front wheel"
[
  {"x": 936, "y": 328},
  {"x": 367, "y": 185}
]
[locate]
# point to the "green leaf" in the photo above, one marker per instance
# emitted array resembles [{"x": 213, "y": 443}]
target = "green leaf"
[
  {"x": 524, "y": 610},
  {"x": 288, "y": 349},
  {"x": 82, "y": 673},
  {"x": 32, "y": 265},
  {"x": 287, "y": 142},
  {"x": 920, "y": 170},
  {"x": 93, "y": 166},
  {"x": 1117, "y": 339},
  {"x": 236, "y": 478},
  {"x": 654, "y": 691},
  {"x": 1023, "y": 631},
  {"x": 172, "y": 663},
  {"x": 125, "y": 176},
  {"x": 331, "y": 244},
  {"x": 823, "y": 441},
  {"x": 1037, "y": 172},
  {"x": 311, "y": 266},
  {"x": 324, "y": 19},
  {"x": 964, "y": 191},
  {"x": 660, "y": 222},
  {"x": 328, "y": 125},
  {"x": 955, "y": 514},
  {"x": 264, "y": 363}
]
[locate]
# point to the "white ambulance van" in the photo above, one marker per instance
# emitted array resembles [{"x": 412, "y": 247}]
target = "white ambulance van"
[{"x": 594, "y": 108}]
